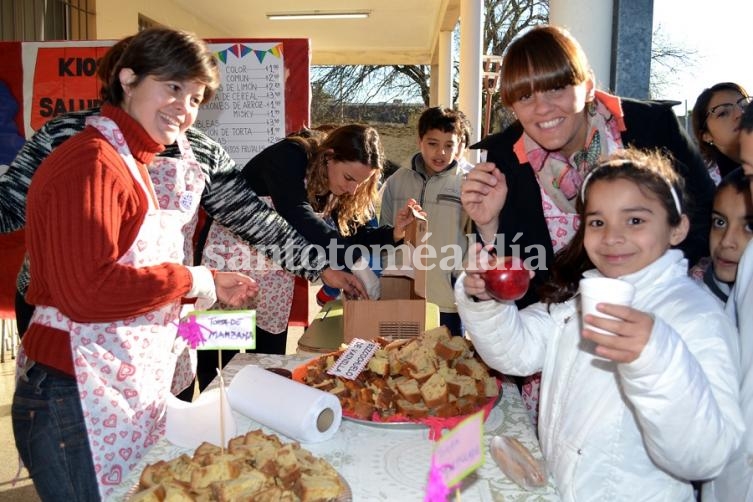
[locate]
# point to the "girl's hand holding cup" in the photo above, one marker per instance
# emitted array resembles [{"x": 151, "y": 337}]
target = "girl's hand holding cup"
[{"x": 619, "y": 331}]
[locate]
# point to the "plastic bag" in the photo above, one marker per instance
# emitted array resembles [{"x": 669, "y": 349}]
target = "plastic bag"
[{"x": 517, "y": 463}]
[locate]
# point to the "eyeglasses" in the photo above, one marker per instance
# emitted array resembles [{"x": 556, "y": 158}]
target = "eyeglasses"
[{"x": 724, "y": 110}]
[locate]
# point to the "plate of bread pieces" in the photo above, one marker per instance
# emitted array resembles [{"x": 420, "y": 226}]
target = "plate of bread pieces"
[
  {"x": 254, "y": 466},
  {"x": 434, "y": 379}
]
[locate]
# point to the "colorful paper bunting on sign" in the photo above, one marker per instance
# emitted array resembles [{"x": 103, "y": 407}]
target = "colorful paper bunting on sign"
[
  {"x": 244, "y": 50},
  {"x": 235, "y": 49},
  {"x": 260, "y": 55},
  {"x": 240, "y": 51}
]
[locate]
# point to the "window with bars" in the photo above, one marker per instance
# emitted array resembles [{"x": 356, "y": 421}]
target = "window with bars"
[{"x": 37, "y": 20}]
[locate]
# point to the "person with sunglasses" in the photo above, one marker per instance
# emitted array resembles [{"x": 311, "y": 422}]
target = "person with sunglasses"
[{"x": 716, "y": 126}]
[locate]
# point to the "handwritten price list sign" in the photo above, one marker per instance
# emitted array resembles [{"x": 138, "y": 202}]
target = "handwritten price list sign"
[{"x": 248, "y": 112}]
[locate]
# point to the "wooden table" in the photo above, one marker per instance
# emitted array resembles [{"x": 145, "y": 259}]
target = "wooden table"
[{"x": 382, "y": 463}]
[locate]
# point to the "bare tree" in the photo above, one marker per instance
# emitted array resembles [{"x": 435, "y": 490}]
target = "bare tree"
[
  {"x": 505, "y": 19},
  {"x": 364, "y": 84},
  {"x": 335, "y": 86},
  {"x": 666, "y": 58}
]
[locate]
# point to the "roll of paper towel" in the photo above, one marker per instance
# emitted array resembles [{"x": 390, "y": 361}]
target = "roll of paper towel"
[{"x": 296, "y": 410}]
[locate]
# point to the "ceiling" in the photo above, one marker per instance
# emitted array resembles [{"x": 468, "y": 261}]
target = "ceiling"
[{"x": 396, "y": 31}]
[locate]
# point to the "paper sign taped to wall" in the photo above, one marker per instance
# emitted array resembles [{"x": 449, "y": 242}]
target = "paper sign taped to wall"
[{"x": 62, "y": 78}]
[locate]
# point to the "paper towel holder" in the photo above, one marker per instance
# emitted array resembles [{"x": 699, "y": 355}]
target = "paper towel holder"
[{"x": 325, "y": 419}]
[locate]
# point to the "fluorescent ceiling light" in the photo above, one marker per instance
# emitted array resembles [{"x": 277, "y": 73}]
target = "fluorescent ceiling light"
[{"x": 318, "y": 14}]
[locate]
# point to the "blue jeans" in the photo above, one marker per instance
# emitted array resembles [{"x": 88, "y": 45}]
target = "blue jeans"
[{"x": 50, "y": 433}]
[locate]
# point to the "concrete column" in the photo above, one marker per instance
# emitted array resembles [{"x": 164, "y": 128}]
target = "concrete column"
[
  {"x": 590, "y": 22},
  {"x": 631, "y": 49},
  {"x": 444, "y": 75},
  {"x": 469, "y": 100},
  {"x": 433, "y": 87}
]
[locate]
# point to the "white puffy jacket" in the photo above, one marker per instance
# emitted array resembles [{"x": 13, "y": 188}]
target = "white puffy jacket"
[
  {"x": 735, "y": 484},
  {"x": 635, "y": 431}
]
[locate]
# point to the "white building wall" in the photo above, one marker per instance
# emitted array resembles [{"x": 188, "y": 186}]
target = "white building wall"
[{"x": 590, "y": 22}]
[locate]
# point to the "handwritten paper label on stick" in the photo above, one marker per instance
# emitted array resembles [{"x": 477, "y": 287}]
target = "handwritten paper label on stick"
[
  {"x": 460, "y": 451},
  {"x": 219, "y": 329},
  {"x": 351, "y": 363}
]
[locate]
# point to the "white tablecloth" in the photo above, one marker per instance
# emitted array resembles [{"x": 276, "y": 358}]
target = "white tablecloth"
[{"x": 381, "y": 463}]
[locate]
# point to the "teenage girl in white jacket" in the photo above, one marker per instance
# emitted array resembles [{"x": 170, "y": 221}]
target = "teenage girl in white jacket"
[{"x": 633, "y": 416}]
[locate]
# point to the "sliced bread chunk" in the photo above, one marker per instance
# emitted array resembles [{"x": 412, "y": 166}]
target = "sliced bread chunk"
[
  {"x": 453, "y": 348},
  {"x": 434, "y": 391},
  {"x": 408, "y": 388},
  {"x": 472, "y": 367}
]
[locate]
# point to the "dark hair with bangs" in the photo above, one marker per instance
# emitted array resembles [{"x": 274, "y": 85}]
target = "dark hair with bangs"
[
  {"x": 544, "y": 58},
  {"x": 165, "y": 54},
  {"x": 653, "y": 174}
]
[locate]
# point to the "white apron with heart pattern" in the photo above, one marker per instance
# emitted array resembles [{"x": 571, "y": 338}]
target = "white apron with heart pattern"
[{"x": 125, "y": 368}]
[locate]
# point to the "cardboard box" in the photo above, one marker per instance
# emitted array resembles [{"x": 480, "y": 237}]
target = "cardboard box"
[{"x": 401, "y": 310}]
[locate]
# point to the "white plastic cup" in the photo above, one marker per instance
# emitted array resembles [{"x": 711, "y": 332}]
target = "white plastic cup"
[{"x": 595, "y": 290}]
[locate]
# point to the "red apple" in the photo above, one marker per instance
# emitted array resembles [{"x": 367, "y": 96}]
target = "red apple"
[{"x": 508, "y": 280}]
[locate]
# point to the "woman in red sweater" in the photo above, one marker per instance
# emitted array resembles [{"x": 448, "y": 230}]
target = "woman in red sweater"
[{"x": 100, "y": 355}]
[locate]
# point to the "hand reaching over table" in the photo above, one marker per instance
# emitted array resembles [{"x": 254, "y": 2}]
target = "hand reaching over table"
[{"x": 235, "y": 289}]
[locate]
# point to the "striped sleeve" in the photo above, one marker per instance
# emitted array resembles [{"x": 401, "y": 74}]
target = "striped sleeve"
[
  {"x": 229, "y": 200},
  {"x": 14, "y": 184}
]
